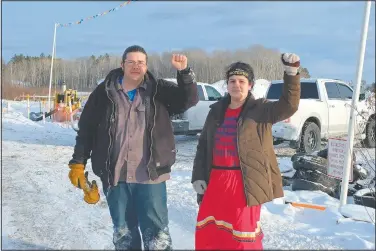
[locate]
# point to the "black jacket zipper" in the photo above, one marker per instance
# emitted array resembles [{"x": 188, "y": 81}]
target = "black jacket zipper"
[
  {"x": 152, "y": 128},
  {"x": 111, "y": 122}
]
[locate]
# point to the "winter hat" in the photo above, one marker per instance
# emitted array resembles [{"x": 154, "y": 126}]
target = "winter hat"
[{"x": 241, "y": 69}]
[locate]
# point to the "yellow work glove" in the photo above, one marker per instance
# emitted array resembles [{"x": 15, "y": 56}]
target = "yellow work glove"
[
  {"x": 91, "y": 192},
  {"x": 76, "y": 175}
]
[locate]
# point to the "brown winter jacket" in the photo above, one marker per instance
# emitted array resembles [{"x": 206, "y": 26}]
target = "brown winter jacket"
[{"x": 261, "y": 176}]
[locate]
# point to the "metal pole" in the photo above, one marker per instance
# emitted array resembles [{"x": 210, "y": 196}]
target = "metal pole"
[
  {"x": 52, "y": 65},
  {"x": 355, "y": 97}
]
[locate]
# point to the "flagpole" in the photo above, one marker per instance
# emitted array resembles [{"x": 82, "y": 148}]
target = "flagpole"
[
  {"x": 355, "y": 97},
  {"x": 52, "y": 65},
  {"x": 69, "y": 24}
]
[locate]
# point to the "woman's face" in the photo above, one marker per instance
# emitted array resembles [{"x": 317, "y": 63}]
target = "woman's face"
[{"x": 237, "y": 87}]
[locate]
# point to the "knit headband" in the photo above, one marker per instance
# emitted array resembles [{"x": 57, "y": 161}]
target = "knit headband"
[{"x": 238, "y": 71}]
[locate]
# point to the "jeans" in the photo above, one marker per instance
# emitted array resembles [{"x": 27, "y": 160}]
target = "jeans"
[{"x": 133, "y": 206}]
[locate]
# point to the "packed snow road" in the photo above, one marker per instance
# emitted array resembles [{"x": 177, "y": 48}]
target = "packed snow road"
[{"x": 42, "y": 210}]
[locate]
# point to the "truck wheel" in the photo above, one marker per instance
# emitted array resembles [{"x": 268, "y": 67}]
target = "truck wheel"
[
  {"x": 370, "y": 134},
  {"x": 310, "y": 140}
]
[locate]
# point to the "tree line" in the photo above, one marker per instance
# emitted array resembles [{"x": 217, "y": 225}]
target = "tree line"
[{"x": 83, "y": 73}]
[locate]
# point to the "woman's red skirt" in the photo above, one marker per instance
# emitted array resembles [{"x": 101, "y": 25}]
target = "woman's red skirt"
[{"x": 224, "y": 220}]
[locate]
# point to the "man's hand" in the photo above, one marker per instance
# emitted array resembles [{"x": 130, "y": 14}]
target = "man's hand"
[
  {"x": 291, "y": 63},
  {"x": 199, "y": 186},
  {"x": 76, "y": 175},
  {"x": 91, "y": 191},
  {"x": 179, "y": 61}
]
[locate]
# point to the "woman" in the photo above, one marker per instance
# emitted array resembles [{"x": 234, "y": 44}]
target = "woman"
[{"x": 235, "y": 169}]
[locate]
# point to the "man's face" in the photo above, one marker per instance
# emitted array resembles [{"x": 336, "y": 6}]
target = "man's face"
[{"x": 134, "y": 66}]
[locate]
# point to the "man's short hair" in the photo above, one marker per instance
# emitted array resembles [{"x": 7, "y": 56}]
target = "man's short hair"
[{"x": 134, "y": 48}]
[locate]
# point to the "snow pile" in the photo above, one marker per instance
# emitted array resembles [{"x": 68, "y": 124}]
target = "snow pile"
[
  {"x": 100, "y": 81},
  {"x": 358, "y": 212},
  {"x": 259, "y": 89},
  {"x": 304, "y": 228},
  {"x": 285, "y": 165},
  {"x": 220, "y": 86},
  {"x": 42, "y": 210}
]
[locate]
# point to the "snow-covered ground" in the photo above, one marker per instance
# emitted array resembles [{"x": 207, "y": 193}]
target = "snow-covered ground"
[{"x": 42, "y": 210}]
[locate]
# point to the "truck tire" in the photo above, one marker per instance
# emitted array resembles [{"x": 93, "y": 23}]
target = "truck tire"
[
  {"x": 316, "y": 163},
  {"x": 311, "y": 162},
  {"x": 286, "y": 181},
  {"x": 310, "y": 140},
  {"x": 370, "y": 134},
  {"x": 365, "y": 197},
  {"x": 297, "y": 156},
  {"x": 301, "y": 184},
  {"x": 318, "y": 177},
  {"x": 323, "y": 153}
]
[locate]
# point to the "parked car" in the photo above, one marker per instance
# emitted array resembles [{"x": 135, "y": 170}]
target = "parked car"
[
  {"x": 192, "y": 121},
  {"x": 324, "y": 111}
]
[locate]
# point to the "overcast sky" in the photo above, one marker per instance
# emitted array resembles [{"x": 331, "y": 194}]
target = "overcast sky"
[{"x": 325, "y": 34}]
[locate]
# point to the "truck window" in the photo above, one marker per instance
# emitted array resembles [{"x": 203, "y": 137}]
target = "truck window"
[
  {"x": 213, "y": 94},
  {"x": 332, "y": 90},
  {"x": 308, "y": 90},
  {"x": 201, "y": 95},
  {"x": 345, "y": 91}
]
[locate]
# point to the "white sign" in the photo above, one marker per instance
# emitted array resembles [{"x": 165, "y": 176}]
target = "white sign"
[{"x": 336, "y": 158}]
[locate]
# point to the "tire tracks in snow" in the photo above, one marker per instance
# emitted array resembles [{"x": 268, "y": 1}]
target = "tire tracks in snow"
[
  {"x": 41, "y": 209},
  {"x": 46, "y": 211}
]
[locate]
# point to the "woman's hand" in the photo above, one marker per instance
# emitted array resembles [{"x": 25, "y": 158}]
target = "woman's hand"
[{"x": 291, "y": 63}]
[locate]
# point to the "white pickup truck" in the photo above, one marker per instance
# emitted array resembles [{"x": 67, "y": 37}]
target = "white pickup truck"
[
  {"x": 192, "y": 121},
  {"x": 324, "y": 112}
]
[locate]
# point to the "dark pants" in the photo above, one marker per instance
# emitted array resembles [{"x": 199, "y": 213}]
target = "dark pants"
[{"x": 139, "y": 205}]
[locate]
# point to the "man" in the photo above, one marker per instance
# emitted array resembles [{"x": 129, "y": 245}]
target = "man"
[{"x": 126, "y": 130}]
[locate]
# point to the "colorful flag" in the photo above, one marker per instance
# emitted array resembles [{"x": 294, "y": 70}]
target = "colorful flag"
[{"x": 95, "y": 16}]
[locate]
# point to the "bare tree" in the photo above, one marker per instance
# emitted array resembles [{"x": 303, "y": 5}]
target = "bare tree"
[{"x": 83, "y": 73}]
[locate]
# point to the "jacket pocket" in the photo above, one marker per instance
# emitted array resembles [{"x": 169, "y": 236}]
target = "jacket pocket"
[{"x": 167, "y": 157}]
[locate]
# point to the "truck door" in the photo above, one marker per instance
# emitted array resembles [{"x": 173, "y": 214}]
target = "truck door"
[
  {"x": 337, "y": 110},
  {"x": 346, "y": 95}
]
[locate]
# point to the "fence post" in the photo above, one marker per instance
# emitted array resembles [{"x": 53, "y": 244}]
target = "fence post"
[{"x": 28, "y": 106}]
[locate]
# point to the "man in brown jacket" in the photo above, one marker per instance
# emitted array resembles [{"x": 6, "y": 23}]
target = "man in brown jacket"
[
  {"x": 125, "y": 129},
  {"x": 261, "y": 175}
]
